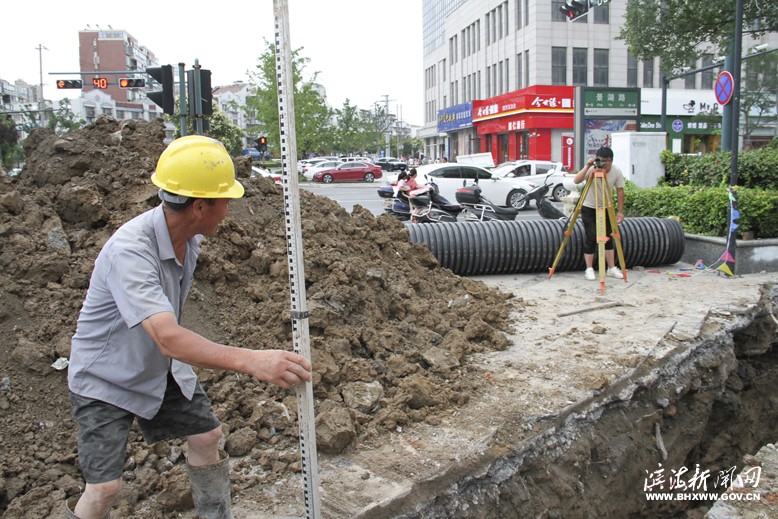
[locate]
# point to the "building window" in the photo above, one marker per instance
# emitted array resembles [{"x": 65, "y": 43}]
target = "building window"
[
  {"x": 648, "y": 74},
  {"x": 519, "y": 10},
  {"x": 706, "y": 77},
  {"x": 600, "y": 67},
  {"x": 519, "y": 72},
  {"x": 556, "y": 14},
  {"x": 580, "y": 66},
  {"x": 526, "y": 68},
  {"x": 558, "y": 65},
  {"x": 602, "y": 14},
  {"x": 632, "y": 71},
  {"x": 526, "y": 12},
  {"x": 690, "y": 81}
]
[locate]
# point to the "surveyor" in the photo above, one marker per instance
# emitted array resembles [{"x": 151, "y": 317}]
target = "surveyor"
[
  {"x": 603, "y": 160},
  {"x": 130, "y": 357}
]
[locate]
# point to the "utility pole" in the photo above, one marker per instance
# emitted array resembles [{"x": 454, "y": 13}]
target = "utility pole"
[{"x": 40, "y": 49}]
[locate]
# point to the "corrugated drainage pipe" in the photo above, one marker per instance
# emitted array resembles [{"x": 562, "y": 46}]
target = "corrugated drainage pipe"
[{"x": 501, "y": 247}]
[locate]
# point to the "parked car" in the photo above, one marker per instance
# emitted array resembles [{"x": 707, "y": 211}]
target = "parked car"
[
  {"x": 356, "y": 159},
  {"x": 349, "y": 172},
  {"x": 451, "y": 176},
  {"x": 535, "y": 171},
  {"x": 391, "y": 164},
  {"x": 264, "y": 172},
  {"x": 310, "y": 171},
  {"x": 251, "y": 152}
]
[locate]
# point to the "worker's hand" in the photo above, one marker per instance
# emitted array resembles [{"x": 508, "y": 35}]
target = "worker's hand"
[
  {"x": 619, "y": 217},
  {"x": 590, "y": 162},
  {"x": 280, "y": 367}
]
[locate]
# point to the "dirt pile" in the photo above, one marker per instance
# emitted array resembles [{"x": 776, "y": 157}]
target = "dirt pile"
[{"x": 390, "y": 330}]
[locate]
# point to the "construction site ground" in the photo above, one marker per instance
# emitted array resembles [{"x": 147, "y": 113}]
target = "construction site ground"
[{"x": 435, "y": 395}]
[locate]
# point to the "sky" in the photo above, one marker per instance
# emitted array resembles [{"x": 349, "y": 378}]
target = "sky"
[{"x": 364, "y": 50}]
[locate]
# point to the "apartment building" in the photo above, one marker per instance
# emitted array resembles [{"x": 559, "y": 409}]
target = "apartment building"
[{"x": 495, "y": 74}]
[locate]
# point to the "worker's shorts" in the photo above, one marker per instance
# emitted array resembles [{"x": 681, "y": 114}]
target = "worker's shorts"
[
  {"x": 103, "y": 428},
  {"x": 589, "y": 218}
]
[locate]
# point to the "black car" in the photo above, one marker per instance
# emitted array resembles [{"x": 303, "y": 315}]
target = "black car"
[{"x": 391, "y": 164}]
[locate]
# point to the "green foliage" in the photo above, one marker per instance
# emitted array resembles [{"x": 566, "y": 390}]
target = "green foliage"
[
  {"x": 756, "y": 168},
  {"x": 312, "y": 117},
  {"x": 219, "y": 127},
  {"x": 703, "y": 210},
  {"x": 9, "y": 141},
  {"x": 357, "y": 131},
  {"x": 63, "y": 120},
  {"x": 689, "y": 27}
]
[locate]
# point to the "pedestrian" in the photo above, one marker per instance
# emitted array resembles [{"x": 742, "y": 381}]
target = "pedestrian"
[
  {"x": 132, "y": 360},
  {"x": 443, "y": 160},
  {"x": 615, "y": 178},
  {"x": 411, "y": 183}
]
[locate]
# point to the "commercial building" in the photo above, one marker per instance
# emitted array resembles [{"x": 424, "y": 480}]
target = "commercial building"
[{"x": 497, "y": 54}]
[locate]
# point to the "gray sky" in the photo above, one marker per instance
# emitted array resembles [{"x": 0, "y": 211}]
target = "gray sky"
[{"x": 362, "y": 49}]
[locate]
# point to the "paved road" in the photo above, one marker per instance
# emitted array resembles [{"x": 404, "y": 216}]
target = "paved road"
[{"x": 364, "y": 194}]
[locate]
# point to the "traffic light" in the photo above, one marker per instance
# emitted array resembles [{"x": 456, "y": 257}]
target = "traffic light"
[
  {"x": 262, "y": 144},
  {"x": 69, "y": 83},
  {"x": 574, "y": 9},
  {"x": 206, "y": 95},
  {"x": 163, "y": 98},
  {"x": 131, "y": 82}
]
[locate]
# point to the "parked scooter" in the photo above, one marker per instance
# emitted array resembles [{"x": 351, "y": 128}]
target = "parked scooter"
[
  {"x": 545, "y": 208},
  {"x": 477, "y": 207},
  {"x": 424, "y": 205}
]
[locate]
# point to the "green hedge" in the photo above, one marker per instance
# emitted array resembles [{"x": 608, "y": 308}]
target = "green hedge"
[
  {"x": 703, "y": 210},
  {"x": 756, "y": 168}
]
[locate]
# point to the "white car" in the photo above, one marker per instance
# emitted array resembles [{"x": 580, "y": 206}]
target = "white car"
[
  {"x": 263, "y": 172},
  {"x": 535, "y": 172},
  {"x": 450, "y": 176},
  {"x": 311, "y": 170}
]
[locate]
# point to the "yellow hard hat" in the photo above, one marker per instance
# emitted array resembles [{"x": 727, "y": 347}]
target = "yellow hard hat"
[{"x": 198, "y": 167}]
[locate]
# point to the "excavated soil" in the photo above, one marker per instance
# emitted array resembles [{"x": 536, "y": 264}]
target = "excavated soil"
[{"x": 390, "y": 330}]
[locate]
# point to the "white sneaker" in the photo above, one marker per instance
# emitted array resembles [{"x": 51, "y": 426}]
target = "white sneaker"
[
  {"x": 615, "y": 272},
  {"x": 589, "y": 274}
]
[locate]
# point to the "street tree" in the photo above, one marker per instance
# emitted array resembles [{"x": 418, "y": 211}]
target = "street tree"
[
  {"x": 9, "y": 140},
  {"x": 680, "y": 31},
  {"x": 759, "y": 95},
  {"x": 219, "y": 127},
  {"x": 312, "y": 117},
  {"x": 357, "y": 130}
]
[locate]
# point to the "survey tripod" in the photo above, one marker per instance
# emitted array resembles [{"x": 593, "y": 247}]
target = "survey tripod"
[{"x": 603, "y": 203}]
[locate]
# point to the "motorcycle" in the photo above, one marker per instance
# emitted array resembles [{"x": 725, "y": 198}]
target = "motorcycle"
[
  {"x": 545, "y": 208},
  {"x": 477, "y": 207},
  {"x": 423, "y": 205}
]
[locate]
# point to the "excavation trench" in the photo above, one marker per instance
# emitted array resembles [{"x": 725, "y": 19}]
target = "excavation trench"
[{"x": 713, "y": 400}]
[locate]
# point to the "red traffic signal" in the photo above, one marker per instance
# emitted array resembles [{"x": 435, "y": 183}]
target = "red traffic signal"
[
  {"x": 69, "y": 83},
  {"x": 263, "y": 141},
  {"x": 130, "y": 82}
]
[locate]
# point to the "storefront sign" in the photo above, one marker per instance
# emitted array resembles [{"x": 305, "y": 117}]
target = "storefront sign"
[
  {"x": 522, "y": 103},
  {"x": 611, "y": 102},
  {"x": 455, "y": 117}
]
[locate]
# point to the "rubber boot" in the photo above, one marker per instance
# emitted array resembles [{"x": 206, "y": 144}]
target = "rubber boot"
[
  {"x": 70, "y": 506},
  {"x": 210, "y": 487}
]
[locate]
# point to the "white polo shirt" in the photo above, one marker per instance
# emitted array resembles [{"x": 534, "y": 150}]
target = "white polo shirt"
[
  {"x": 136, "y": 275},
  {"x": 615, "y": 179}
]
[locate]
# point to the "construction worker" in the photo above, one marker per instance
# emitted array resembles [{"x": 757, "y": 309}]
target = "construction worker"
[{"x": 130, "y": 357}]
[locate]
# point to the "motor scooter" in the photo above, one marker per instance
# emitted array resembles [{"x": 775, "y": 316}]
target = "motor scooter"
[
  {"x": 545, "y": 208},
  {"x": 423, "y": 205},
  {"x": 479, "y": 208}
]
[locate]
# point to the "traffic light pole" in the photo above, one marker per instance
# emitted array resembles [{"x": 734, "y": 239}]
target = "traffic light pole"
[{"x": 182, "y": 97}]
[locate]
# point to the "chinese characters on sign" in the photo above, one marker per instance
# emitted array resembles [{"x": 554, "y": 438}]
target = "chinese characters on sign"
[{"x": 683, "y": 485}]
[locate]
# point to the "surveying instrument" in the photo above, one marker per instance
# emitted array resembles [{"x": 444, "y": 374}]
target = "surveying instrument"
[{"x": 603, "y": 204}]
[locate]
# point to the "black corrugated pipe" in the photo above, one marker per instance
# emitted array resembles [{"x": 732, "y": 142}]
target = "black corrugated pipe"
[{"x": 508, "y": 247}]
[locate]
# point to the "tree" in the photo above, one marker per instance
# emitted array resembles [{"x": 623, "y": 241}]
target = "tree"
[
  {"x": 9, "y": 140},
  {"x": 313, "y": 129},
  {"x": 690, "y": 28},
  {"x": 356, "y": 130},
  {"x": 759, "y": 94},
  {"x": 63, "y": 120}
]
